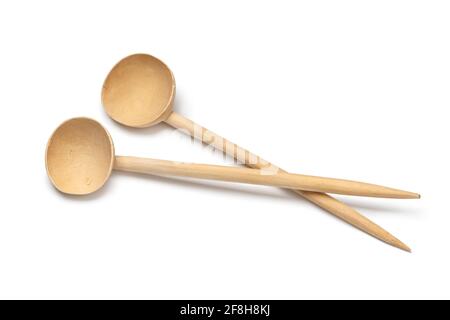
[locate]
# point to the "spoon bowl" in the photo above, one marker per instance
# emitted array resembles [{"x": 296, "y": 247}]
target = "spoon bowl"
[
  {"x": 139, "y": 91},
  {"x": 79, "y": 156}
]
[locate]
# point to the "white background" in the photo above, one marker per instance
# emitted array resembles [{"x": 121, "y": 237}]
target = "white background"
[{"x": 349, "y": 89}]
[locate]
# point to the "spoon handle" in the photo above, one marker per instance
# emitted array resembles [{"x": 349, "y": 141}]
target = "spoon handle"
[
  {"x": 257, "y": 176},
  {"x": 326, "y": 202}
]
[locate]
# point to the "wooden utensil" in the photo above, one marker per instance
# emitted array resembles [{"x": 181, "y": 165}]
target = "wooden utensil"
[
  {"x": 80, "y": 158},
  {"x": 139, "y": 92}
]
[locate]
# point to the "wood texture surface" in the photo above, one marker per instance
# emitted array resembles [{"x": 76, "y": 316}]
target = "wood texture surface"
[{"x": 79, "y": 156}]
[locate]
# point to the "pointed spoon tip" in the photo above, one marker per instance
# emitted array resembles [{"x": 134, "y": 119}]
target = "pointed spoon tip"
[{"x": 400, "y": 245}]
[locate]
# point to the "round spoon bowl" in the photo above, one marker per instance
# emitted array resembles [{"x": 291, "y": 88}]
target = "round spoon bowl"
[
  {"x": 139, "y": 91},
  {"x": 79, "y": 156}
]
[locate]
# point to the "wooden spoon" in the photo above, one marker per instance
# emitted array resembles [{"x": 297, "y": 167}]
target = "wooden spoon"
[
  {"x": 80, "y": 158},
  {"x": 139, "y": 92}
]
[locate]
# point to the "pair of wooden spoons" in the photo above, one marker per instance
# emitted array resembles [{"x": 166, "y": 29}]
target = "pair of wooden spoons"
[{"x": 139, "y": 92}]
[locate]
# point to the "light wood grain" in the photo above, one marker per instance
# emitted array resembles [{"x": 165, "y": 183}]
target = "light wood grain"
[{"x": 79, "y": 157}]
